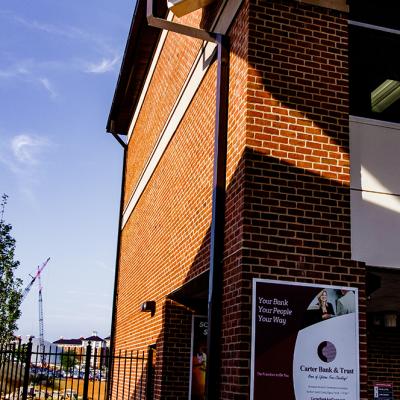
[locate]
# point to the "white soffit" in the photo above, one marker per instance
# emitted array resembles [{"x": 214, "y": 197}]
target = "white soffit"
[{"x": 183, "y": 7}]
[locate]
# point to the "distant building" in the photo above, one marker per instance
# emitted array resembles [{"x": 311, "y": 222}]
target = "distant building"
[
  {"x": 96, "y": 341},
  {"x": 69, "y": 342},
  {"x": 98, "y": 344}
]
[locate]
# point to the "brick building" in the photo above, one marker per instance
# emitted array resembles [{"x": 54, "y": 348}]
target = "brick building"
[
  {"x": 70, "y": 344},
  {"x": 310, "y": 190}
]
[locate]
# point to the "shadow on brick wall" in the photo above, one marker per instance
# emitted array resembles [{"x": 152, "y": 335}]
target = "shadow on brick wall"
[
  {"x": 283, "y": 221},
  {"x": 286, "y": 224}
]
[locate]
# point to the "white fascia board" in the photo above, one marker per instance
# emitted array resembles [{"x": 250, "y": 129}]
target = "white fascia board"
[
  {"x": 149, "y": 76},
  {"x": 192, "y": 83},
  {"x": 179, "y": 110}
]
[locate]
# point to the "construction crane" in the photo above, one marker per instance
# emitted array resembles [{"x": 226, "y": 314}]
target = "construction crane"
[
  {"x": 41, "y": 324},
  {"x": 25, "y": 293},
  {"x": 30, "y": 284}
]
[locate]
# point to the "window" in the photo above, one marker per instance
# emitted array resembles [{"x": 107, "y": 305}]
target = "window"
[
  {"x": 374, "y": 42},
  {"x": 384, "y": 13},
  {"x": 374, "y": 74}
]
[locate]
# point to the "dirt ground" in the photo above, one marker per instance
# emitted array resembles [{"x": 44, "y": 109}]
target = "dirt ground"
[{"x": 66, "y": 389}]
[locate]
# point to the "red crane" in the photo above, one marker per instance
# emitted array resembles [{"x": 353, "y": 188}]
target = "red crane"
[
  {"x": 30, "y": 284},
  {"x": 25, "y": 293}
]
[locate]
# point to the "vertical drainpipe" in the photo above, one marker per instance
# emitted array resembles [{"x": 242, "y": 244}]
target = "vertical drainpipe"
[
  {"x": 218, "y": 200},
  {"x": 215, "y": 285},
  {"x": 116, "y": 277}
]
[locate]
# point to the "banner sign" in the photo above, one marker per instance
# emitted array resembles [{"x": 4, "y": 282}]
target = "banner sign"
[
  {"x": 304, "y": 342},
  {"x": 198, "y": 358},
  {"x": 383, "y": 391}
]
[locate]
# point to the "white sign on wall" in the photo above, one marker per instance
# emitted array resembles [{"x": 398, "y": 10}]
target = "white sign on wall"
[{"x": 304, "y": 341}]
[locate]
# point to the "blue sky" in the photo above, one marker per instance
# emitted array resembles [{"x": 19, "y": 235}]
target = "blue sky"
[{"x": 59, "y": 63}]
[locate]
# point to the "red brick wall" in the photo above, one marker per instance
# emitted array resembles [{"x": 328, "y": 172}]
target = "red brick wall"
[
  {"x": 174, "y": 357},
  {"x": 296, "y": 219},
  {"x": 288, "y": 200},
  {"x": 234, "y": 328},
  {"x": 173, "y": 66},
  {"x": 383, "y": 359},
  {"x": 165, "y": 241}
]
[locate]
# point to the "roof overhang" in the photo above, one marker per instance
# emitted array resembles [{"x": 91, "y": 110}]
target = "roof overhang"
[
  {"x": 193, "y": 294},
  {"x": 139, "y": 50}
]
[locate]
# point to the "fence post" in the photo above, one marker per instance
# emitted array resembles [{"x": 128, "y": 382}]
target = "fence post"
[
  {"x": 87, "y": 370},
  {"x": 27, "y": 370},
  {"x": 3, "y": 358},
  {"x": 110, "y": 367},
  {"x": 150, "y": 373}
]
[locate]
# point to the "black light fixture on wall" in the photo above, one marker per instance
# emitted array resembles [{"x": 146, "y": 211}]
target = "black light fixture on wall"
[{"x": 148, "y": 306}]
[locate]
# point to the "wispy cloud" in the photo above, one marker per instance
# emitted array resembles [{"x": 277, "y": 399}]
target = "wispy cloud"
[
  {"x": 25, "y": 70},
  {"x": 103, "y": 66},
  {"x": 13, "y": 71},
  {"x": 48, "y": 87},
  {"x": 70, "y": 32},
  {"x": 66, "y": 31},
  {"x": 100, "y": 57},
  {"x": 27, "y": 148},
  {"x": 22, "y": 155}
]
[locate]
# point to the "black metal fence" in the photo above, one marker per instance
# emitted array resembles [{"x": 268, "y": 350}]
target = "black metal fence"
[{"x": 73, "y": 373}]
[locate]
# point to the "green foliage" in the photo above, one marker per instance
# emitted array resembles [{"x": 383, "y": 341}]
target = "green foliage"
[
  {"x": 10, "y": 286},
  {"x": 68, "y": 360},
  {"x": 21, "y": 352}
]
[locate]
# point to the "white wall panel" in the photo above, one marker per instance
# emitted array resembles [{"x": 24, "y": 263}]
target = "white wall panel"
[
  {"x": 375, "y": 158},
  {"x": 375, "y": 195}
]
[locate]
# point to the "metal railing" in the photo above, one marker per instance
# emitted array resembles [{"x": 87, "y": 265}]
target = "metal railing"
[{"x": 79, "y": 373}]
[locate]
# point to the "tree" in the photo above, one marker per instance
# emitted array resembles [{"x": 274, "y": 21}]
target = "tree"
[
  {"x": 10, "y": 286},
  {"x": 68, "y": 360}
]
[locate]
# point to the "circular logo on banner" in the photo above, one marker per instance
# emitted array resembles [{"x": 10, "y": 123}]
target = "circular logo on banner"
[{"x": 326, "y": 351}]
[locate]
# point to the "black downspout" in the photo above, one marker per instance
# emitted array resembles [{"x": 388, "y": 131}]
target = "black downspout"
[
  {"x": 116, "y": 277},
  {"x": 218, "y": 202},
  {"x": 218, "y": 221}
]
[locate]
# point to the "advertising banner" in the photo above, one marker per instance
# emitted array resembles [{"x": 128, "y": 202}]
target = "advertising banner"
[
  {"x": 198, "y": 358},
  {"x": 304, "y": 342}
]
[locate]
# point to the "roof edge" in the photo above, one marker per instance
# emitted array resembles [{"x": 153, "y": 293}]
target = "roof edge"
[{"x": 139, "y": 50}]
